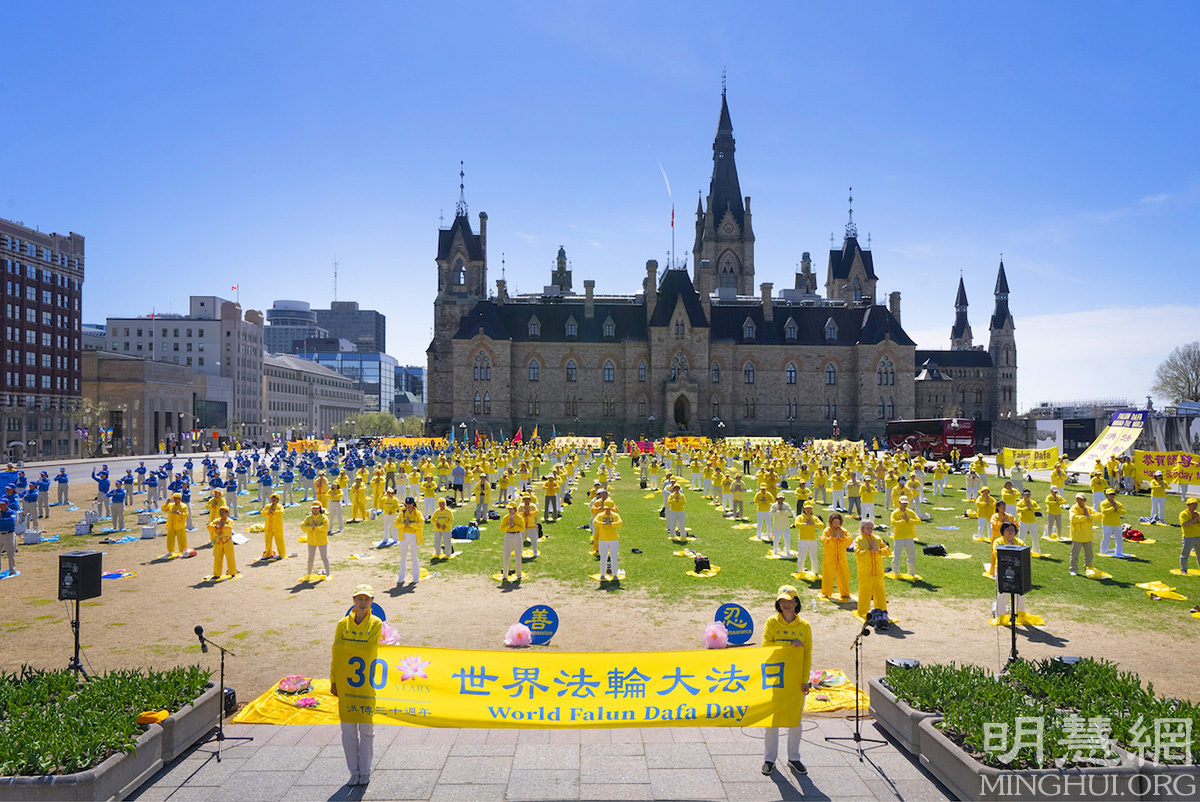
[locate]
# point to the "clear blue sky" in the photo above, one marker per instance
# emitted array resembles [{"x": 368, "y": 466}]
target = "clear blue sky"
[{"x": 198, "y": 146}]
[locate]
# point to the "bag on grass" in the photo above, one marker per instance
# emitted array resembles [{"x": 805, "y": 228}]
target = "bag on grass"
[
  {"x": 701, "y": 563},
  {"x": 935, "y": 550}
]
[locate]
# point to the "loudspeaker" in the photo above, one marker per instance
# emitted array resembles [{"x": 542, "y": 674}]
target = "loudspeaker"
[
  {"x": 1013, "y": 571},
  {"x": 79, "y": 574}
]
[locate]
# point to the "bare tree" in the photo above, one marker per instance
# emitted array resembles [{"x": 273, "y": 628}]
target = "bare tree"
[{"x": 1177, "y": 377}]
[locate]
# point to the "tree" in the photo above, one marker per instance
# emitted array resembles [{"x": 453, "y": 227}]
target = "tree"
[{"x": 1177, "y": 378}]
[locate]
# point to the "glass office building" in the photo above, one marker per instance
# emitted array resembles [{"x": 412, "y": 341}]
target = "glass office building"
[{"x": 374, "y": 372}]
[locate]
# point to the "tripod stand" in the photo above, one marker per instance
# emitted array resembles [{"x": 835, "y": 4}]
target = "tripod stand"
[
  {"x": 219, "y": 735},
  {"x": 857, "y": 736},
  {"x": 74, "y": 664}
]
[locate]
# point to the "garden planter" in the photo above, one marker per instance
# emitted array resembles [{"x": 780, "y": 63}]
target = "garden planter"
[
  {"x": 190, "y": 723},
  {"x": 968, "y": 779},
  {"x": 1165, "y": 782},
  {"x": 114, "y": 779},
  {"x": 896, "y": 717}
]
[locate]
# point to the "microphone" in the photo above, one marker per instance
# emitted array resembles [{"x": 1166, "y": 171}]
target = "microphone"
[{"x": 200, "y": 635}]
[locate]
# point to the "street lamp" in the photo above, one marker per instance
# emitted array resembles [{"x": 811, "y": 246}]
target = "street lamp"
[
  {"x": 836, "y": 429},
  {"x": 791, "y": 419},
  {"x": 650, "y": 426}
]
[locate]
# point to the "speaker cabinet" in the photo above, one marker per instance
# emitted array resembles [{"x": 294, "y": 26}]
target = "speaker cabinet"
[{"x": 79, "y": 574}]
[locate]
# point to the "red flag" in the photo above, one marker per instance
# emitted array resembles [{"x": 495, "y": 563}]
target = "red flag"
[
  {"x": 234, "y": 287},
  {"x": 478, "y": 439},
  {"x": 517, "y": 436},
  {"x": 672, "y": 215}
]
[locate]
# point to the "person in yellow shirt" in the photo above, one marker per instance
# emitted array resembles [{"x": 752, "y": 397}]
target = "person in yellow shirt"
[
  {"x": 220, "y": 532},
  {"x": 868, "y": 553},
  {"x": 787, "y": 628},
  {"x": 853, "y": 496},
  {"x": 834, "y": 564},
  {"x": 1058, "y": 478},
  {"x": 608, "y": 532},
  {"x": 550, "y": 510},
  {"x": 1009, "y": 494},
  {"x": 512, "y": 524},
  {"x": 1027, "y": 510},
  {"x": 867, "y": 494},
  {"x": 443, "y": 524},
  {"x": 676, "y": 512},
  {"x": 529, "y": 510},
  {"x": 1158, "y": 498},
  {"x": 390, "y": 509},
  {"x": 316, "y": 533},
  {"x": 820, "y": 485},
  {"x": 939, "y": 478},
  {"x": 358, "y": 500},
  {"x": 1189, "y": 523},
  {"x": 1008, "y": 536},
  {"x": 215, "y": 503},
  {"x": 803, "y": 494},
  {"x": 763, "y": 499},
  {"x": 1112, "y": 542},
  {"x": 1000, "y": 517},
  {"x": 272, "y": 516},
  {"x": 837, "y": 484},
  {"x": 985, "y": 505},
  {"x": 737, "y": 491},
  {"x": 321, "y": 489},
  {"x": 356, "y": 640},
  {"x": 904, "y": 533},
  {"x": 1054, "y": 508},
  {"x": 1098, "y": 485},
  {"x": 806, "y": 540},
  {"x": 412, "y": 534},
  {"x": 781, "y": 526},
  {"x": 177, "y": 517},
  {"x": 1082, "y": 518}
]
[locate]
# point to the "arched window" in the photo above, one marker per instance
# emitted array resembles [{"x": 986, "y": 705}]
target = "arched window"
[
  {"x": 609, "y": 329},
  {"x": 572, "y": 329},
  {"x": 891, "y": 409},
  {"x": 679, "y": 328},
  {"x": 716, "y": 373},
  {"x": 1007, "y": 355},
  {"x": 641, "y": 407},
  {"x": 460, "y": 273},
  {"x": 879, "y": 410},
  {"x": 679, "y": 366},
  {"x": 791, "y": 331},
  {"x": 487, "y": 403},
  {"x": 716, "y": 408},
  {"x": 641, "y": 371},
  {"x": 962, "y": 396},
  {"x": 885, "y": 373},
  {"x": 483, "y": 367},
  {"x": 571, "y": 371},
  {"x": 790, "y": 373},
  {"x": 610, "y": 373},
  {"x": 748, "y": 371},
  {"x": 728, "y": 277},
  {"x": 478, "y": 408},
  {"x": 830, "y": 330},
  {"x": 748, "y": 331},
  {"x": 979, "y": 396},
  {"x": 534, "y": 370},
  {"x": 830, "y": 374},
  {"x": 857, "y": 290}
]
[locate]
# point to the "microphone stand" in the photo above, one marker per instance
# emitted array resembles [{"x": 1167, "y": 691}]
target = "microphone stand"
[
  {"x": 857, "y": 737},
  {"x": 220, "y": 736}
]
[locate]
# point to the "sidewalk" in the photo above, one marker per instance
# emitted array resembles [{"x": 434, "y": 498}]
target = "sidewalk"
[{"x": 306, "y": 763}]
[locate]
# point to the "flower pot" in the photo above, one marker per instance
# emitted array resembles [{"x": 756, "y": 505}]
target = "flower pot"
[
  {"x": 190, "y": 723},
  {"x": 114, "y": 779},
  {"x": 967, "y": 778},
  {"x": 896, "y": 717}
]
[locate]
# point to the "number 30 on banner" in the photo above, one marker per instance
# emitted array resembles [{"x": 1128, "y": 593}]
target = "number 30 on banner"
[{"x": 378, "y": 672}]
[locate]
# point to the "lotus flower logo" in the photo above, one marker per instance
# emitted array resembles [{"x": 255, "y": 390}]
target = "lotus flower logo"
[{"x": 412, "y": 667}]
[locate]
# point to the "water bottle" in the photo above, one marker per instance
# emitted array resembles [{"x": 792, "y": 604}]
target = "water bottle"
[{"x": 814, "y": 605}]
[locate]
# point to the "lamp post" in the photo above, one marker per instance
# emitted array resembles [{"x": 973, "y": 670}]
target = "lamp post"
[
  {"x": 462, "y": 432},
  {"x": 791, "y": 419},
  {"x": 650, "y": 426},
  {"x": 836, "y": 429}
]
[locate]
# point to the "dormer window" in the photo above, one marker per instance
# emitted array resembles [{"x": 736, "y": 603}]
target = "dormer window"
[
  {"x": 790, "y": 330},
  {"x": 610, "y": 328},
  {"x": 748, "y": 329},
  {"x": 572, "y": 327},
  {"x": 679, "y": 328},
  {"x": 831, "y": 331},
  {"x": 535, "y": 327}
]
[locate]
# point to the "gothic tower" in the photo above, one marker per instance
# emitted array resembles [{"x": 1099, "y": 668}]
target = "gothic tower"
[
  {"x": 462, "y": 282},
  {"x": 960, "y": 334},
  {"x": 724, "y": 236},
  {"x": 1002, "y": 346},
  {"x": 851, "y": 274}
]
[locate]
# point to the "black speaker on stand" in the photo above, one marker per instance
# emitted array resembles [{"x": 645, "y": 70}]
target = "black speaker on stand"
[
  {"x": 79, "y": 579},
  {"x": 1014, "y": 575}
]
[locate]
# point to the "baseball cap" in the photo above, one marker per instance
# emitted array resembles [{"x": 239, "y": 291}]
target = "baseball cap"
[{"x": 364, "y": 590}]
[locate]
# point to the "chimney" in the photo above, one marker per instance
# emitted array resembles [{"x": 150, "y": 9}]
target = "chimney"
[
  {"x": 651, "y": 286},
  {"x": 702, "y": 285},
  {"x": 501, "y": 291},
  {"x": 589, "y": 306},
  {"x": 768, "y": 311},
  {"x": 894, "y": 305}
]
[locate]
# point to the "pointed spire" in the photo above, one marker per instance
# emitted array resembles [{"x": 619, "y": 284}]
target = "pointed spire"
[
  {"x": 1001, "y": 281},
  {"x": 960, "y": 333},
  {"x": 725, "y": 193},
  {"x": 960, "y": 302},
  {"x": 851, "y": 229},
  {"x": 1001, "y": 315},
  {"x": 460, "y": 209}
]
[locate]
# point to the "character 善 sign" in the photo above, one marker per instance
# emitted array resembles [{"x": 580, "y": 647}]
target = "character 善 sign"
[{"x": 756, "y": 687}]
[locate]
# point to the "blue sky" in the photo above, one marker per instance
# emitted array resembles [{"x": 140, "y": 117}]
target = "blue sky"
[{"x": 198, "y": 146}]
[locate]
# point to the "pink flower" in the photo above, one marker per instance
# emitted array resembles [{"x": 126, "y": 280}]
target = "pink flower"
[
  {"x": 307, "y": 701},
  {"x": 518, "y": 635},
  {"x": 412, "y": 667},
  {"x": 716, "y": 636}
]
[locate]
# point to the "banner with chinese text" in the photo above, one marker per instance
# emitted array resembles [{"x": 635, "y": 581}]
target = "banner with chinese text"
[
  {"x": 753, "y": 687},
  {"x": 1120, "y": 435},
  {"x": 1032, "y": 459},
  {"x": 686, "y": 441},
  {"x": 1178, "y": 467},
  {"x": 577, "y": 442}
]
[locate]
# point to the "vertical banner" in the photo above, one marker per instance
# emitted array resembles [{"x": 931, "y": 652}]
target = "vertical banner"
[
  {"x": 752, "y": 687},
  {"x": 1118, "y": 438}
]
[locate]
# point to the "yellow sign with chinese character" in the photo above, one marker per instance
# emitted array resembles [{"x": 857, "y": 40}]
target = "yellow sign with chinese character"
[
  {"x": 1178, "y": 467},
  {"x": 754, "y": 687},
  {"x": 1116, "y": 439},
  {"x": 1032, "y": 459}
]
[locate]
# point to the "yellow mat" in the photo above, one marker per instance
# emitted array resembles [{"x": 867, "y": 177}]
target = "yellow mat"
[
  {"x": 807, "y": 576},
  {"x": 835, "y": 692},
  {"x": 707, "y": 573},
  {"x": 1165, "y": 594},
  {"x": 278, "y": 708},
  {"x": 905, "y": 577},
  {"x": 1190, "y": 572},
  {"x": 957, "y": 555},
  {"x": 791, "y": 555}
]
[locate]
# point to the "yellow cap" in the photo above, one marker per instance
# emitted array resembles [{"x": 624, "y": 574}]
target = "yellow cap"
[
  {"x": 787, "y": 592},
  {"x": 364, "y": 590},
  {"x": 609, "y": 504}
]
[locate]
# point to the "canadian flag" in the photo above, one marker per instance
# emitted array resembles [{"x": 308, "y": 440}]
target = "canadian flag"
[{"x": 234, "y": 287}]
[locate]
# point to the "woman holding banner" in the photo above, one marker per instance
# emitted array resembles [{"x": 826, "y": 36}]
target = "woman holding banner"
[
  {"x": 355, "y": 644},
  {"x": 786, "y": 628}
]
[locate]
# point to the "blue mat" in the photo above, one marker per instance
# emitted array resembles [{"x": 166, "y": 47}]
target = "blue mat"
[{"x": 5, "y": 574}]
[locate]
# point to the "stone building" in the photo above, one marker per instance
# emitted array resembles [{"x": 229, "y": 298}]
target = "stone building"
[
  {"x": 303, "y": 398},
  {"x": 694, "y": 352}
]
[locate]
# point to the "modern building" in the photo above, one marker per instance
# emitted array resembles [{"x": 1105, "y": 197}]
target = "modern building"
[
  {"x": 40, "y": 389},
  {"x": 365, "y": 328},
  {"x": 289, "y": 322},
  {"x": 411, "y": 379},
  {"x": 302, "y": 397},
  {"x": 214, "y": 339},
  {"x": 694, "y": 351},
  {"x": 373, "y": 373}
]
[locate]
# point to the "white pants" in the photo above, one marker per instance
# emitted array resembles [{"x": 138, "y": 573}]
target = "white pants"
[
  {"x": 697, "y": 478},
  {"x": 1158, "y": 508},
  {"x": 771, "y": 744},
  {"x": 430, "y": 506},
  {"x": 764, "y": 525},
  {"x": 1029, "y": 533},
  {"x": 532, "y": 534},
  {"x": 312, "y": 557},
  {"x": 335, "y": 512},
  {"x": 608, "y": 556},
  {"x": 676, "y": 523},
  {"x": 807, "y": 549},
  {"x": 513, "y": 543},
  {"x": 1001, "y": 606},
  {"x": 1098, "y": 498},
  {"x": 727, "y": 501},
  {"x": 390, "y": 533},
  {"x": 783, "y": 533},
  {"x": 868, "y": 511},
  {"x": 358, "y": 740},
  {"x": 939, "y": 487},
  {"x": 839, "y": 497},
  {"x": 904, "y": 546},
  {"x": 1111, "y": 533},
  {"x": 408, "y": 550},
  {"x": 983, "y": 527}
]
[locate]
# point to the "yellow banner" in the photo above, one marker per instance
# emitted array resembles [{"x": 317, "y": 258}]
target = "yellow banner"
[
  {"x": 1032, "y": 459},
  {"x": 840, "y": 446},
  {"x": 671, "y": 443},
  {"x": 1178, "y": 467},
  {"x": 1116, "y": 439},
  {"x": 755, "y": 687},
  {"x": 412, "y": 442},
  {"x": 761, "y": 441},
  {"x": 577, "y": 442}
]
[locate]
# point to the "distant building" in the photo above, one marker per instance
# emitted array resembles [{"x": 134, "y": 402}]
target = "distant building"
[
  {"x": 374, "y": 373},
  {"x": 287, "y": 322},
  {"x": 365, "y": 328},
  {"x": 302, "y": 397},
  {"x": 40, "y": 383},
  {"x": 145, "y": 402},
  {"x": 94, "y": 337},
  {"x": 214, "y": 339},
  {"x": 411, "y": 379}
]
